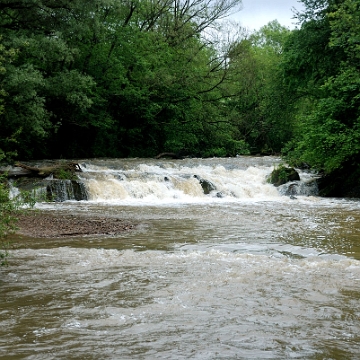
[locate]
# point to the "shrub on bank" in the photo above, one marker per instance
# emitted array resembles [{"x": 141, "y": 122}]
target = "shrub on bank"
[{"x": 10, "y": 207}]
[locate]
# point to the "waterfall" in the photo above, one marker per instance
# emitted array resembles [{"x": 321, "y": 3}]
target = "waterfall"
[
  {"x": 182, "y": 180},
  {"x": 57, "y": 190},
  {"x": 188, "y": 180},
  {"x": 63, "y": 190}
]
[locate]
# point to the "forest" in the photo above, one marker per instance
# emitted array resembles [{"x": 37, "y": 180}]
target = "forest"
[{"x": 135, "y": 78}]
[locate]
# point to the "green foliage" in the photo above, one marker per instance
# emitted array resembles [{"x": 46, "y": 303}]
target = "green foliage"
[
  {"x": 115, "y": 78},
  {"x": 7, "y": 219},
  {"x": 43, "y": 91},
  {"x": 278, "y": 174},
  {"x": 6, "y": 208},
  {"x": 63, "y": 174},
  {"x": 261, "y": 109},
  {"x": 4, "y": 252},
  {"x": 110, "y": 78},
  {"x": 10, "y": 208},
  {"x": 329, "y": 129},
  {"x": 6, "y": 56}
]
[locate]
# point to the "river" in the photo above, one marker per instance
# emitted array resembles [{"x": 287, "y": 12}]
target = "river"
[{"x": 240, "y": 273}]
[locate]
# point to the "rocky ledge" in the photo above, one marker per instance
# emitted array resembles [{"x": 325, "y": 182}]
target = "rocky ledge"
[{"x": 41, "y": 225}]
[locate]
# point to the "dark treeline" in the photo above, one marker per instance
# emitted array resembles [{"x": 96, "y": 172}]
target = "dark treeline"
[{"x": 125, "y": 78}]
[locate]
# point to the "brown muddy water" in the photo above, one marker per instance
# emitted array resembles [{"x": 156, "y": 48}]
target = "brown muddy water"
[{"x": 250, "y": 274}]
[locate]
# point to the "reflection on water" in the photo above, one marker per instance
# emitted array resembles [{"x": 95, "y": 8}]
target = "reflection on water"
[{"x": 220, "y": 279}]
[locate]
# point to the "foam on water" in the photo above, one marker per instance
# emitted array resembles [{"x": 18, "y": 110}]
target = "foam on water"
[
  {"x": 76, "y": 259},
  {"x": 177, "y": 183}
]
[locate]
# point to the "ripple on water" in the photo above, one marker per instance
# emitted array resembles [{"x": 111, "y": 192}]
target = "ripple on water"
[
  {"x": 199, "y": 304},
  {"x": 261, "y": 277}
]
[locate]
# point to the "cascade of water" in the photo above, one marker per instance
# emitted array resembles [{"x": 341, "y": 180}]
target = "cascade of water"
[
  {"x": 183, "y": 181},
  {"x": 63, "y": 190},
  {"x": 13, "y": 190}
]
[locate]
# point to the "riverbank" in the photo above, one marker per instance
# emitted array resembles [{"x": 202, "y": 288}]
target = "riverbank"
[{"x": 40, "y": 225}]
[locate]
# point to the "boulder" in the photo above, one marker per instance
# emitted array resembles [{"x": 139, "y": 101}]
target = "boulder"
[
  {"x": 283, "y": 174},
  {"x": 54, "y": 181},
  {"x": 344, "y": 182},
  {"x": 301, "y": 188},
  {"x": 62, "y": 190},
  {"x": 207, "y": 185}
]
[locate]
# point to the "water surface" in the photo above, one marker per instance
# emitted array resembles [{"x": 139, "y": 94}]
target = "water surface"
[{"x": 249, "y": 275}]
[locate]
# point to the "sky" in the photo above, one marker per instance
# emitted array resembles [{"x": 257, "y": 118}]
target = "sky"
[{"x": 257, "y": 13}]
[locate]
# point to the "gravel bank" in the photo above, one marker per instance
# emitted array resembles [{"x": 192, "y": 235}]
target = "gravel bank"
[{"x": 42, "y": 225}]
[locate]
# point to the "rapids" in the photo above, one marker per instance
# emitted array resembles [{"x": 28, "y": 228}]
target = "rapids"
[{"x": 242, "y": 272}]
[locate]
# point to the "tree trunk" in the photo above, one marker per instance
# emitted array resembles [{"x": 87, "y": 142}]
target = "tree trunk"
[{"x": 55, "y": 170}]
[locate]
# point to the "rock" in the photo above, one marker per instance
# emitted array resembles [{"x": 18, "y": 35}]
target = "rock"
[
  {"x": 299, "y": 188},
  {"x": 343, "y": 182},
  {"x": 62, "y": 190},
  {"x": 53, "y": 181},
  {"x": 283, "y": 174},
  {"x": 52, "y": 189},
  {"x": 207, "y": 185},
  {"x": 292, "y": 190}
]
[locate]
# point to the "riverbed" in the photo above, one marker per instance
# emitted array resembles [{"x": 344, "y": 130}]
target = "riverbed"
[{"x": 250, "y": 274}]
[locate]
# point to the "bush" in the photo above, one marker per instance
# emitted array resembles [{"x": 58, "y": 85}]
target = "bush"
[{"x": 10, "y": 207}]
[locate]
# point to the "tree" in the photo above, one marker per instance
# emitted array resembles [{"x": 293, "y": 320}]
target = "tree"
[
  {"x": 43, "y": 90},
  {"x": 261, "y": 107},
  {"x": 6, "y": 56},
  {"x": 117, "y": 78},
  {"x": 329, "y": 129},
  {"x": 325, "y": 76},
  {"x": 158, "y": 78}
]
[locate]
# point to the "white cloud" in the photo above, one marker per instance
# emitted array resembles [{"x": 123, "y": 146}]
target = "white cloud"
[{"x": 257, "y": 13}]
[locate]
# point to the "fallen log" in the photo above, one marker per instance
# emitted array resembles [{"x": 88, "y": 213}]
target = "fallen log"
[
  {"x": 57, "y": 170},
  {"x": 169, "y": 155}
]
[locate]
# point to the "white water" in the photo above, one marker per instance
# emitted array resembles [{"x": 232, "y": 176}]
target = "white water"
[
  {"x": 251, "y": 275},
  {"x": 176, "y": 182}
]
